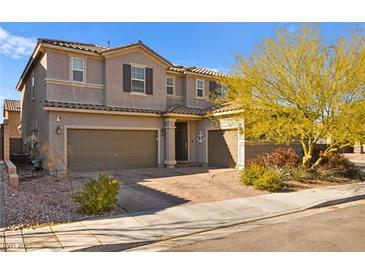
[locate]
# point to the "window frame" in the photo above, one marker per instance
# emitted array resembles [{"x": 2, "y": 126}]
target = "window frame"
[
  {"x": 224, "y": 87},
  {"x": 202, "y": 88},
  {"x": 83, "y": 69},
  {"x": 32, "y": 87},
  {"x": 135, "y": 79},
  {"x": 171, "y": 86}
]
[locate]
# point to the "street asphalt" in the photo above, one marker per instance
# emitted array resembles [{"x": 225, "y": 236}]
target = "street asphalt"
[{"x": 334, "y": 228}]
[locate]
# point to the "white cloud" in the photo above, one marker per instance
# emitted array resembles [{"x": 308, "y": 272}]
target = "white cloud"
[
  {"x": 15, "y": 46},
  {"x": 213, "y": 69}
]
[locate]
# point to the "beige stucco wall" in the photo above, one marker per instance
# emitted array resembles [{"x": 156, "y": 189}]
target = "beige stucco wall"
[
  {"x": 32, "y": 109},
  {"x": 75, "y": 94},
  {"x": 57, "y": 142},
  {"x": 191, "y": 99},
  {"x": 59, "y": 69},
  {"x": 115, "y": 96}
]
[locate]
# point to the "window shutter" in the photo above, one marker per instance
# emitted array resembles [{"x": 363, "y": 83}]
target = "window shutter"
[
  {"x": 127, "y": 83},
  {"x": 149, "y": 81}
]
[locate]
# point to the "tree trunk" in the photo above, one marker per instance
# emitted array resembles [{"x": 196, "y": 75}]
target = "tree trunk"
[
  {"x": 325, "y": 154},
  {"x": 308, "y": 151}
]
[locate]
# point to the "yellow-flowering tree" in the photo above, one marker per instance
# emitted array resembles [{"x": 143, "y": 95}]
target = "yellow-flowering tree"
[{"x": 296, "y": 88}]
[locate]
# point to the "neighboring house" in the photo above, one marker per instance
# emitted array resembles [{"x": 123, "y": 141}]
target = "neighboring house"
[
  {"x": 11, "y": 141},
  {"x": 89, "y": 108}
]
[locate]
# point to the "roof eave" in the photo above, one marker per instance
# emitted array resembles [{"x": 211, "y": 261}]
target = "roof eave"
[
  {"x": 37, "y": 50},
  {"x": 111, "y": 51}
]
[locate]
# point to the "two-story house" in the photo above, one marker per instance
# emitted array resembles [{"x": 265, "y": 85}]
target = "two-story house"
[{"x": 89, "y": 108}]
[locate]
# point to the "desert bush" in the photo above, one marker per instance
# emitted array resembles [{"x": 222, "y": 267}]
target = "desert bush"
[
  {"x": 336, "y": 160},
  {"x": 251, "y": 173},
  {"x": 98, "y": 196},
  {"x": 325, "y": 173},
  {"x": 262, "y": 178},
  {"x": 343, "y": 167},
  {"x": 284, "y": 157},
  {"x": 300, "y": 173},
  {"x": 279, "y": 157},
  {"x": 271, "y": 181}
]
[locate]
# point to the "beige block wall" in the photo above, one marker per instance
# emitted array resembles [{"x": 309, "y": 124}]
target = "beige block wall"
[
  {"x": 6, "y": 140},
  {"x": 115, "y": 96},
  {"x": 57, "y": 146},
  {"x": 14, "y": 122}
]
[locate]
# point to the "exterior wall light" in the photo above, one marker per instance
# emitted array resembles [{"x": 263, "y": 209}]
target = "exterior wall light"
[{"x": 58, "y": 130}]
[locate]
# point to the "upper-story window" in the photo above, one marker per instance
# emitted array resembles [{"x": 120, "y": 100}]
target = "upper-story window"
[
  {"x": 200, "y": 88},
  {"x": 223, "y": 91},
  {"x": 170, "y": 85},
  {"x": 32, "y": 87},
  {"x": 138, "y": 77},
  {"x": 78, "y": 69}
]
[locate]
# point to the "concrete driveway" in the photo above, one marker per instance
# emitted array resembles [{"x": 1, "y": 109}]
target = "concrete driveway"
[{"x": 159, "y": 188}]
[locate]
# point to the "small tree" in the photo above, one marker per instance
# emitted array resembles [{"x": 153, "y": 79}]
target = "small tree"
[{"x": 297, "y": 88}]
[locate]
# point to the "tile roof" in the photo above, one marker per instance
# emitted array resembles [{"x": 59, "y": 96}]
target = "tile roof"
[
  {"x": 100, "y": 50},
  {"x": 11, "y": 105},
  {"x": 226, "y": 108},
  {"x": 180, "y": 109},
  {"x": 174, "y": 109},
  {"x": 177, "y": 109},
  {"x": 198, "y": 70},
  {"x": 73, "y": 45},
  {"x": 98, "y": 107}
]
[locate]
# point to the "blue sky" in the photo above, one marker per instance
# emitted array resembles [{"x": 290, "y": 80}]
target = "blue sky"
[{"x": 210, "y": 45}]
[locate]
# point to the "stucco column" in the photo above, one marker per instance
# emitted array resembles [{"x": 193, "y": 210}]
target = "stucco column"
[
  {"x": 6, "y": 140},
  {"x": 170, "y": 160}
]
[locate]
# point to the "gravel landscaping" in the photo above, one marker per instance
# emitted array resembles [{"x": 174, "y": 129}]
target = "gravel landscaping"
[{"x": 41, "y": 200}]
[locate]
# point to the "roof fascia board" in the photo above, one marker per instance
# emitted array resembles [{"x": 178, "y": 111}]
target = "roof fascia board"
[
  {"x": 74, "y": 110},
  {"x": 38, "y": 49},
  {"x": 80, "y": 51}
]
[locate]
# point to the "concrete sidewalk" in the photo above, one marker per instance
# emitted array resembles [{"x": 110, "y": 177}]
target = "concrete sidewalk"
[{"x": 133, "y": 230}]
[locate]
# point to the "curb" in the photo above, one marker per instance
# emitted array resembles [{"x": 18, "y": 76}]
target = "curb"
[
  {"x": 313, "y": 206},
  {"x": 339, "y": 201}
]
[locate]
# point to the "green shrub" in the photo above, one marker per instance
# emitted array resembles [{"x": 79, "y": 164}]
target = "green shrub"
[
  {"x": 262, "y": 178},
  {"x": 98, "y": 196},
  {"x": 325, "y": 174},
  {"x": 300, "y": 173},
  {"x": 271, "y": 181},
  {"x": 251, "y": 173}
]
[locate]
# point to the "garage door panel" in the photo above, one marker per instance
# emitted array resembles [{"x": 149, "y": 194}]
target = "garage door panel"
[
  {"x": 222, "y": 148},
  {"x": 97, "y": 150}
]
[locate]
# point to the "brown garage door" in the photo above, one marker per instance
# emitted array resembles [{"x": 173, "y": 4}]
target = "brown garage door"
[
  {"x": 98, "y": 150},
  {"x": 222, "y": 148}
]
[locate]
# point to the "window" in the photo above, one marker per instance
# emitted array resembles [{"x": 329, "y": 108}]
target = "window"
[
  {"x": 170, "y": 85},
  {"x": 32, "y": 87},
  {"x": 138, "y": 79},
  {"x": 78, "y": 67},
  {"x": 199, "y": 88},
  {"x": 223, "y": 91}
]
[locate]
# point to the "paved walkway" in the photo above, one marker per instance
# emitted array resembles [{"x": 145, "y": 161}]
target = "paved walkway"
[{"x": 133, "y": 230}]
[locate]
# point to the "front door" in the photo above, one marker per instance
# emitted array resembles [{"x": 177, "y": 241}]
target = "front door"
[{"x": 181, "y": 141}]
